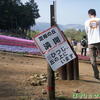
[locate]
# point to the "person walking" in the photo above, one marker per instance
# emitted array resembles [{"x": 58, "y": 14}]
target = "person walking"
[
  {"x": 84, "y": 44},
  {"x": 74, "y": 44},
  {"x": 92, "y": 28}
]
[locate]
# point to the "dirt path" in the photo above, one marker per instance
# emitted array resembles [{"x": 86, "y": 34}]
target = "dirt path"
[{"x": 15, "y": 70}]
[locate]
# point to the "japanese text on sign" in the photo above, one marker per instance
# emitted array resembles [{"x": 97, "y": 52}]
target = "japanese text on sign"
[
  {"x": 49, "y": 39},
  {"x": 54, "y": 47},
  {"x": 60, "y": 56}
]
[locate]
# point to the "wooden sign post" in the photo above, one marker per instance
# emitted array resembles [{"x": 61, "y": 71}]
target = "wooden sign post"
[
  {"x": 51, "y": 77},
  {"x": 72, "y": 68}
]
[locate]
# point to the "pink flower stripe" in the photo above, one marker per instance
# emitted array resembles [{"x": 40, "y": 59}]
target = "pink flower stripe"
[{"x": 6, "y": 40}]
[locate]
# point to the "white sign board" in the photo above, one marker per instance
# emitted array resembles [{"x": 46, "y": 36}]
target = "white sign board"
[{"x": 54, "y": 47}]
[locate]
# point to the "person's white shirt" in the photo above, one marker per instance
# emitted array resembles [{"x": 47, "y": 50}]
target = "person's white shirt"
[{"x": 92, "y": 28}]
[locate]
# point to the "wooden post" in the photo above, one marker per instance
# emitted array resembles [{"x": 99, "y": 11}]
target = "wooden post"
[
  {"x": 70, "y": 72},
  {"x": 76, "y": 68},
  {"x": 63, "y": 72},
  {"x": 51, "y": 84},
  {"x": 72, "y": 68},
  {"x": 51, "y": 78}
]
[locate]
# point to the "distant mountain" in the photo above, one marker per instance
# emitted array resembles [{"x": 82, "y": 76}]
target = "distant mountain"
[
  {"x": 74, "y": 26},
  {"x": 43, "y": 26}
]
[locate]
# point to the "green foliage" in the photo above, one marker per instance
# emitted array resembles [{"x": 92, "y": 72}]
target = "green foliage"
[
  {"x": 62, "y": 98},
  {"x": 74, "y": 34},
  {"x": 31, "y": 34},
  {"x": 16, "y": 16}
]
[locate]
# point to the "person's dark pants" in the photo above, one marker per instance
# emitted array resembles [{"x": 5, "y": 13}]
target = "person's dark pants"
[
  {"x": 83, "y": 51},
  {"x": 93, "y": 54}
]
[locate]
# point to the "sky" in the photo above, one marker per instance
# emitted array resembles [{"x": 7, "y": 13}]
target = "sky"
[{"x": 67, "y": 11}]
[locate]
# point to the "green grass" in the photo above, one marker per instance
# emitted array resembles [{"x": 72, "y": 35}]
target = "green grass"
[{"x": 62, "y": 98}]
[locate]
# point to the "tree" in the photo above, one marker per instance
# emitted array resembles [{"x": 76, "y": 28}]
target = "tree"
[
  {"x": 7, "y": 13},
  {"x": 15, "y": 16}
]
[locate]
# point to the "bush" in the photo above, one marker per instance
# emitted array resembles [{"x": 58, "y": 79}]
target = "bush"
[{"x": 74, "y": 34}]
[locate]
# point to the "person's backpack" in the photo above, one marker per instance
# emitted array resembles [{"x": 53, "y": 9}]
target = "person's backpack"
[{"x": 84, "y": 43}]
